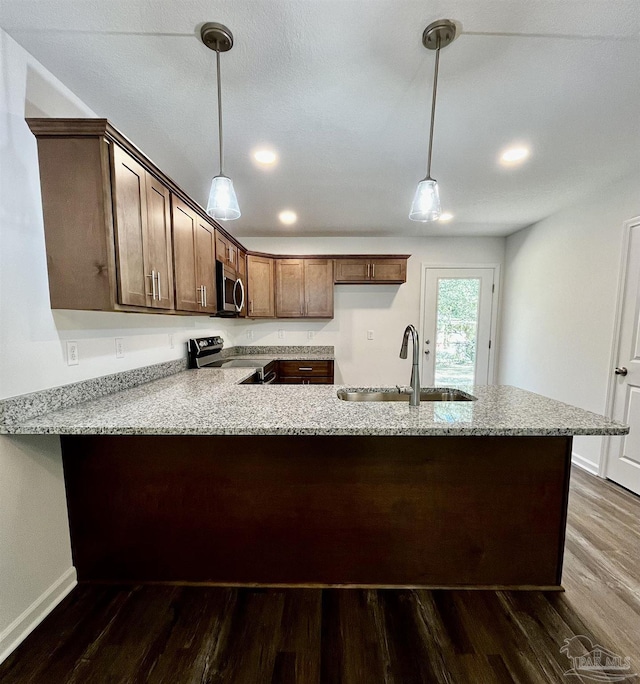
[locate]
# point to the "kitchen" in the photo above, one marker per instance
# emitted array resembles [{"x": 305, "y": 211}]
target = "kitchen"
[{"x": 553, "y": 337}]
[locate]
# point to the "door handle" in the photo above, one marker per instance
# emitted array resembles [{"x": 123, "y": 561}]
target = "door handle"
[
  {"x": 621, "y": 371},
  {"x": 152, "y": 294}
]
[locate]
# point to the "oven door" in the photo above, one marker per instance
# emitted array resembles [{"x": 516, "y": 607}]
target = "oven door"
[{"x": 226, "y": 282}]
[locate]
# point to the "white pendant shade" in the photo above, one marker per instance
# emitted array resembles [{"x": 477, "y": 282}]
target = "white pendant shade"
[
  {"x": 426, "y": 202},
  {"x": 223, "y": 203}
]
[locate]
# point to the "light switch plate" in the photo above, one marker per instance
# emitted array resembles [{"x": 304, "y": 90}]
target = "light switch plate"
[
  {"x": 119, "y": 348},
  {"x": 369, "y": 334},
  {"x": 310, "y": 334},
  {"x": 281, "y": 334},
  {"x": 249, "y": 334},
  {"x": 73, "y": 358},
  {"x": 171, "y": 343}
]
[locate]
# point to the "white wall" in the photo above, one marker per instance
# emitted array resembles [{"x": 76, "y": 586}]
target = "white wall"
[
  {"x": 385, "y": 309},
  {"x": 560, "y": 285},
  {"x": 35, "y": 556}
]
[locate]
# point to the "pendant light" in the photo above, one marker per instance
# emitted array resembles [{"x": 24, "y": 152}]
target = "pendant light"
[
  {"x": 223, "y": 203},
  {"x": 426, "y": 201}
]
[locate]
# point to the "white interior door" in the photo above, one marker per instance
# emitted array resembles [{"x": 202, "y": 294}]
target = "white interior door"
[
  {"x": 623, "y": 462},
  {"x": 456, "y": 335}
]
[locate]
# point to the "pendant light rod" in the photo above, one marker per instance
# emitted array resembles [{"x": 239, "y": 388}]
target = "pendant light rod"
[
  {"x": 220, "y": 143},
  {"x": 437, "y": 35},
  {"x": 217, "y": 37},
  {"x": 433, "y": 108},
  {"x": 426, "y": 201},
  {"x": 222, "y": 203}
]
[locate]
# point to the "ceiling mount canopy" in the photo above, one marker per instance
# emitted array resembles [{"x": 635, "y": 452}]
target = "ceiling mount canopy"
[
  {"x": 223, "y": 203},
  {"x": 216, "y": 36},
  {"x": 426, "y": 201}
]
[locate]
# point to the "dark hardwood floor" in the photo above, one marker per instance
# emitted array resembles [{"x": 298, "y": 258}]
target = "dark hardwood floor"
[{"x": 186, "y": 635}]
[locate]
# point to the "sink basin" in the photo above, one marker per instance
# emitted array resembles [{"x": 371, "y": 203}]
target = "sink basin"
[{"x": 425, "y": 395}]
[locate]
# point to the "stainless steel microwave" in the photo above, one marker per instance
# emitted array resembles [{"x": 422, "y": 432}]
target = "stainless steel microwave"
[{"x": 230, "y": 291}]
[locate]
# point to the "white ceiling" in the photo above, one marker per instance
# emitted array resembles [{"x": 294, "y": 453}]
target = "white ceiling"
[{"x": 341, "y": 89}]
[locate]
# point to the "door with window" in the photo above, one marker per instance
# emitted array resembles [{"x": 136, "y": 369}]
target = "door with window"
[
  {"x": 458, "y": 316},
  {"x": 623, "y": 461}
]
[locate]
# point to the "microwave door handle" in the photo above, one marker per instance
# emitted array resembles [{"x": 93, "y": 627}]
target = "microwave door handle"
[
  {"x": 240, "y": 306},
  {"x": 270, "y": 378}
]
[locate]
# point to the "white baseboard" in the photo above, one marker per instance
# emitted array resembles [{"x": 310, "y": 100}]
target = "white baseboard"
[
  {"x": 584, "y": 463},
  {"x": 24, "y": 624}
]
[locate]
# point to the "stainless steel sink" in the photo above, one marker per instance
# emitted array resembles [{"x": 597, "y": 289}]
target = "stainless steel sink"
[{"x": 425, "y": 395}]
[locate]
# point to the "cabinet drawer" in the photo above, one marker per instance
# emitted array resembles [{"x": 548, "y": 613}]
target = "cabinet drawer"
[
  {"x": 290, "y": 369},
  {"x": 310, "y": 380}
]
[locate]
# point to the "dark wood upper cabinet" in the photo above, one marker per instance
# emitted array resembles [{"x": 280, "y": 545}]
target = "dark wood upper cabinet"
[
  {"x": 318, "y": 288},
  {"x": 142, "y": 228},
  {"x": 261, "y": 292},
  {"x": 130, "y": 209},
  {"x": 304, "y": 288},
  {"x": 371, "y": 269},
  {"x": 194, "y": 255},
  {"x": 290, "y": 288},
  {"x": 159, "y": 243},
  {"x": 226, "y": 251},
  {"x": 107, "y": 221},
  {"x": 122, "y": 236}
]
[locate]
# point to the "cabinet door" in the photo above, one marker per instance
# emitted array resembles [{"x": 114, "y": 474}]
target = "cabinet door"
[
  {"x": 206, "y": 265},
  {"x": 290, "y": 301},
  {"x": 130, "y": 219},
  {"x": 222, "y": 248},
  {"x": 318, "y": 288},
  {"x": 188, "y": 295},
  {"x": 158, "y": 242},
  {"x": 352, "y": 270},
  {"x": 260, "y": 276},
  {"x": 389, "y": 270}
]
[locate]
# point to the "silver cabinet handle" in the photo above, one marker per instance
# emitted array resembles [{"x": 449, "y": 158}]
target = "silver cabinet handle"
[
  {"x": 305, "y": 369},
  {"x": 152, "y": 294},
  {"x": 251, "y": 306},
  {"x": 373, "y": 270},
  {"x": 204, "y": 287},
  {"x": 368, "y": 270},
  {"x": 200, "y": 291},
  {"x": 621, "y": 371},
  {"x": 159, "y": 294}
]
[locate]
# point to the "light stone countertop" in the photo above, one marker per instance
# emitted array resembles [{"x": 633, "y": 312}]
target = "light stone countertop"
[{"x": 210, "y": 402}]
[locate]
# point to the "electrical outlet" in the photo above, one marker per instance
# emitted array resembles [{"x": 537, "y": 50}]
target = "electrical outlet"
[
  {"x": 281, "y": 334},
  {"x": 119, "y": 348},
  {"x": 249, "y": 334},
  {"x": 171, "y": 342},
  {"x": 310, "y": 334},
  {"x": 73, "y": 358},
  {"x": 369, "y": 334}
]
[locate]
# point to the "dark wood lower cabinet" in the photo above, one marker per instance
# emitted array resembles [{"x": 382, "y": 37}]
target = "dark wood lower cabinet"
[
  {"x": 318, "y": 511},
  {"x": 305, "y": 372}
]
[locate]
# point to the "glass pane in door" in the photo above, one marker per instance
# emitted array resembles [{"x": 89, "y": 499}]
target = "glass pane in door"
[{"x": 457, "y": 330}]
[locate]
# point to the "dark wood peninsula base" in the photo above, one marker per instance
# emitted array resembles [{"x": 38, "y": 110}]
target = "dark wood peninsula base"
[{"x": 475, "y": 512}]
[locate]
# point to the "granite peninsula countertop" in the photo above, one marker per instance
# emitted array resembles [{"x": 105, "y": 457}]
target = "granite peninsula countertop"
[{"x": 210, "y": 402}]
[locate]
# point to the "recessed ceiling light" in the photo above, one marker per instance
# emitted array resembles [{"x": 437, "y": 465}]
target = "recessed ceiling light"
[
  {"x": 265, "y": 157},
  {"x": 514, "y": 155},
  {"x": 288, "y": 217},
  {"x": 445, "y": 216}
]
